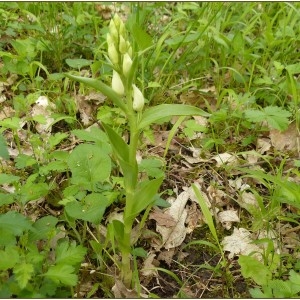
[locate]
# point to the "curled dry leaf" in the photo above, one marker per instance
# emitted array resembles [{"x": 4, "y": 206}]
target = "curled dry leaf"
[
  {"x": 238, "y": 184},
  {"x": 288, "y": 139},
  {"x": 241, "y": 243},
  {"x": 173, "y": 236},
  {"x": 149, "y": 269},
  {"x": 227, "y": 217},
  {"x": 218, "y": 197},
  {"x": 120, "y": 291},
  {"x": 249, "y": 198},
  {"x": 162, "y": 218},
  {"x": 263, "y": 145},
  {"x": 225, "y": 158}
]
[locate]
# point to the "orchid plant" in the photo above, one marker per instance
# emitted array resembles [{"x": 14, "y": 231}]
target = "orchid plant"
[{"x": 125, "y": 94}]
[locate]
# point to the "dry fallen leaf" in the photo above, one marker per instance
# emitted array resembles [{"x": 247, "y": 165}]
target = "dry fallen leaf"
[
  {"x": 288, "y": 139},
  {"x": 149, "y": 269},
  {"x": 175, "y": 235},
  {"x": 166, "y": 256},
  {"x": 240, "y": 243},
  {"x": 224, "y": 158},
  {"x": 227, "y": 217},
  {"x": 263, "y": 145},
  {"x": 120, "y": 291},
  {"x": 162, "y": 218}
]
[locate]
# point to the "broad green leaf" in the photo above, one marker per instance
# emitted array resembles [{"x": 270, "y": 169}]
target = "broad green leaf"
[
  {"x": 251, "y": 267},
  {"x": 13, "y": 123},
  {"x": 62, "y": 274},
  {"x": 102, "y": 87},
  {"x": 23, "y": 161},
  {"x": 6, "y": 199},
  {"x": 55, "y": 139},
  {"x": 293, "y": 69},
  {"x": 33, "y": 191},
  {"x": 90, "y": 209},
  {"x": 143, "y": 39},
  {"x": 94, "y": 135},
  {"x": 23, "y": 273},
  {"x": 8, "y": 179},
  {"x": 143, "y": 197},
  {"x": 89, "y": 165},
  {"x": 69, "y": 253},
  {"x": 78, "y": 63},
  {"x": 14, "y": 222},
  {"x": 58, "y": 166},
  {"x": 7, "y": 238},
  {"x": 3, "y": 148},
  {"x": 152, "y": 166},
  {"x": 42, "y": 228},
  {"x": 276, "y": 116},
  {"x": 140, "y": 252},
  {"x": 154, "y": 114},
  {"x": 9, "y": 257}
]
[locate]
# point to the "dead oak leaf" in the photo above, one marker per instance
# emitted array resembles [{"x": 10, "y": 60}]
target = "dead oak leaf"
[
  {"x": 162, "y": 218},
  {"x": 175, "y": 235}
]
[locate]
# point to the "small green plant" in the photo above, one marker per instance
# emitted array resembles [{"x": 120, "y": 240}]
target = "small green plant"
[
  {"x": 29, "y": 268},
  {"x": 269, "y": 287},
  {"x": 130, "y": 99}
]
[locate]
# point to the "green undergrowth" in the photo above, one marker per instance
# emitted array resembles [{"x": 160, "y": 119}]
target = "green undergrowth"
[{"x": 81, "y": 174}]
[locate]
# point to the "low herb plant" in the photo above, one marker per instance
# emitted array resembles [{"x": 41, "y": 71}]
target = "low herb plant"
[{"x": 125, "y": 94}]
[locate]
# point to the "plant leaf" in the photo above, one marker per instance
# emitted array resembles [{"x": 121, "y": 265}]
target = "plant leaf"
[
  {"x": 102, "y": 87},
  {"x": 154, "y": 114},
  {"x": 62, "y": 274},
  {"x": 9, "y": 257},
  {"x": 5, "y": 178},
  {"x": 251, "y": 267},
  {"x": 89, "y": 165},
  {"x": 69, "y": 253},
  {"x": 23, "y": 273},
  {"x": 90, "y": 209},
  {"x": 206, "y": 213},
  {"x": 14, "y": 222},
  {"x": 142, "y": 198},
  {"x": 3, "y": 148}
]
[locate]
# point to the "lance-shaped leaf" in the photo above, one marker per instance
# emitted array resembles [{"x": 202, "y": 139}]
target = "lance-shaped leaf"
[
  {"x": 154, "y": 114},
  {"x": 121, "y": 150},
  {"x": 142, "y": 198},
  {"x": 102, "y": 87}
]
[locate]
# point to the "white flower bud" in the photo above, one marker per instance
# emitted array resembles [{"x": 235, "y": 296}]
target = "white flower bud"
[
  {"x": 127, "y": 63},
  {"x": 122, "y": 30},
  {"x": 113, "y": 31},
  {"x": 109, "y": 39},
  {"x": 138, "y": 99},
  {"x": 113, "y": 54},
  {"x": 117, "y": 84},
  {"x": 122, "y": 45},
  {"x": 117, "y": 21},
  {"x": 129, "y": 51}
]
